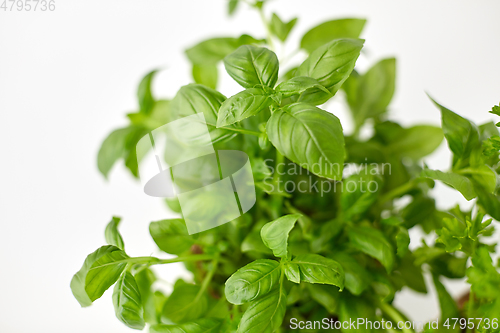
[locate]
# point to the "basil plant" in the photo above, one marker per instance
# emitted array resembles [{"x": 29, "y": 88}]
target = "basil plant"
[{"x": 328, "y": 237}]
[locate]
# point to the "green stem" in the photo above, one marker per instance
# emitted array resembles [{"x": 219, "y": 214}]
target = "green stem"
[
  {"x": 392, "y": 313},
  {"x": 208, "y": 278},
  {"x": 277, "y": 199},
  {"x": 268, "y": 29},
  {"x": 156, "y": 261},
  {"x": 470, "y": 304},
  {"x": 241, "y": 130},
  {"x": 399, "y": 190}
]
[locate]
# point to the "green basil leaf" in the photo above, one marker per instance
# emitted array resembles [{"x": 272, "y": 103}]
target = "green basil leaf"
[
  {"x": 195, "y": 98},
  {"x": 281, "y": 29},
  {"x": 416, "y": 142},
  {"x": 484, "y": 176},
  {"x": 185, "y": 304},
  {"x": 327, "y": 296},
  {"x": 292, "y": 272},
  {"x": 206, "y": 75},
  {"x": 266, "y": 314},
  {"x": 330, "y": 64},
  {"x": 298, "y": 85},
  {"x": 211, "y": 51},
  {"x": 231, "y": 6},
  {"x": 462, "y": 135},
  {"x": 251, "y": 66},
  {"x": 318, "y": 269},
  {"x": 100, "y": 271},
  {"x": 127, "y": 302},
  {"x": 490, "y": 202},
  {"x": 359, "y": 192},
  {"x": 357, "y": 278},
  {"x": 321, "y": 143},
  {"x": 112, "y": 234},
  {"x": 328, "y": 31},
  {"x": 171, "y": 235},
  {"x": 447, "y": 304},
  {"x": 369, "y": 95},
  {"x": 144, "y": 94},
  {"x": 112, "y": 149},
  {"x": 458, "y": 182},
  {"x": 411, "y": 273},
  {"x": 244, "y": 104},
  {"x": 353, "y": 308},
  {"x": 145, "y": 279},
  {"x": 372, "y": 242},
  {"x": 275, "y": 234},
  {"x": 203, "y": 325},
  {"x": 252, "y": 281},
  {"x": 402, "y": 242}
]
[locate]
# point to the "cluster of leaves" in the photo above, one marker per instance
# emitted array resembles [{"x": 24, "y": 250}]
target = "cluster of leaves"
[{"x": 343, "y": 254}]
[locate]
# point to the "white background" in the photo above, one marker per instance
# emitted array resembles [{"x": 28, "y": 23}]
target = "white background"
[{"x": 67, "y": 78}]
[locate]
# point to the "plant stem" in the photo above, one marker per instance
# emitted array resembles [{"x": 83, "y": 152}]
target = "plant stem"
[
  {"x": 207, "y": 279},
  {"x": 392, "y": 313},
  {"x": 399, "y": 191},
  {"x": 156, "y": 261},
  {"x": 242, "y": 131},
  {"x": 268, "y": 29},
  {"x": 277, "y": 199}
]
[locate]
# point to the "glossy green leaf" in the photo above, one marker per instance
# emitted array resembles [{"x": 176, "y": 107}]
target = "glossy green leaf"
[
  {"x": 145, "y": 279},
  {"x": 298, "y": 85},
  {"x": 330, "y": 64},
  {"x": 372, "y": 242},
  {"x": 195, "y": 98},
  {"x": 100, "y": 271},
  {"x": 318, "y": 269},
  {"x": 252, "y": 281},
  {"x": 144, "y": 94},
  {"x": 206, "y": 75},
  {"x": 281, "y": 29},
  {"x": 417, "y": 142},
  {"x": 185, "y": 304},
  {"x": 266, "y": 314},
  {"x": 112, "y": 234},
  {"x": 275, "y": 234},
  {"x": 292, "y": 272},
  {"x": 310, "y": 137},
  {"x": 244, "y": 104},
  {"x": 462, "y": 135},
  {"x": 171, "y": 235},
  {"x": 203, "y": 325},
  {"x": 127, "y": 302},
  {"x": 458, "y": 182},
  {"x": 330, "y": 30},
  {"x": 369, "y": 95},
  {"x": 251, "y": 66}
]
